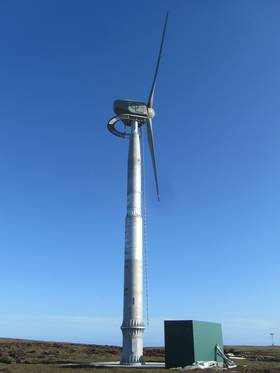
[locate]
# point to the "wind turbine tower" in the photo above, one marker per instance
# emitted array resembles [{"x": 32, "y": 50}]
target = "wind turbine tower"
[
  {"x": 134, "y": 115},
  {"x": 272, "y": 338}
]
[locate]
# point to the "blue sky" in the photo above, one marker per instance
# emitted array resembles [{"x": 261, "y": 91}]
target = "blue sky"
[{"x": 213, "y": 240}]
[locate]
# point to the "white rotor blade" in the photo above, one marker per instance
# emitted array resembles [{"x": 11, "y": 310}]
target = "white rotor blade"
[
  {"x": 152, "y": 150},
  {"x": 151, "y": 96}
]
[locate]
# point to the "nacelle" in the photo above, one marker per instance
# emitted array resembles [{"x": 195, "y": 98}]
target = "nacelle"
[{"x": 130, "y": 107}]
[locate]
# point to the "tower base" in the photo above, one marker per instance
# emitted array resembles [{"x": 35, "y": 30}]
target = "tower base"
[{"x": 132, "y": 352}]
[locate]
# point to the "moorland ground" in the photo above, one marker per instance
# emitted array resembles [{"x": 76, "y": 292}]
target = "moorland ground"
[{"x": 24, "y": 356}]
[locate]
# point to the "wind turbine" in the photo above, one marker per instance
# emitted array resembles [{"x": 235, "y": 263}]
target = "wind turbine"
[
  {"x": 272, "y": 338},
  {"x": 134, "y": 115}
]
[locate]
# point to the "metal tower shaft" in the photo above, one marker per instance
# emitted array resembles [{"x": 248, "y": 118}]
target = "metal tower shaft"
[{"x": 133, "y": 324}]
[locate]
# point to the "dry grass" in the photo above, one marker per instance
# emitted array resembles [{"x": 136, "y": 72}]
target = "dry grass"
[{"x": 36, "y": 352}]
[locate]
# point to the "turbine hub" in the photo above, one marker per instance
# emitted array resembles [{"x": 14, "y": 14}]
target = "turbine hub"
[{"x": 151, "y": 112}]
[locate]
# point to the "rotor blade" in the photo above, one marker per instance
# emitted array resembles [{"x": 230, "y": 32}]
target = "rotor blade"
[
  {"x": 151, "y": 96},
  {"x": 152, "y": 150}
]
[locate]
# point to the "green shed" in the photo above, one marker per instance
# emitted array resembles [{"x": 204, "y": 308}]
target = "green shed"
[{"x": 187, "y": 341}]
